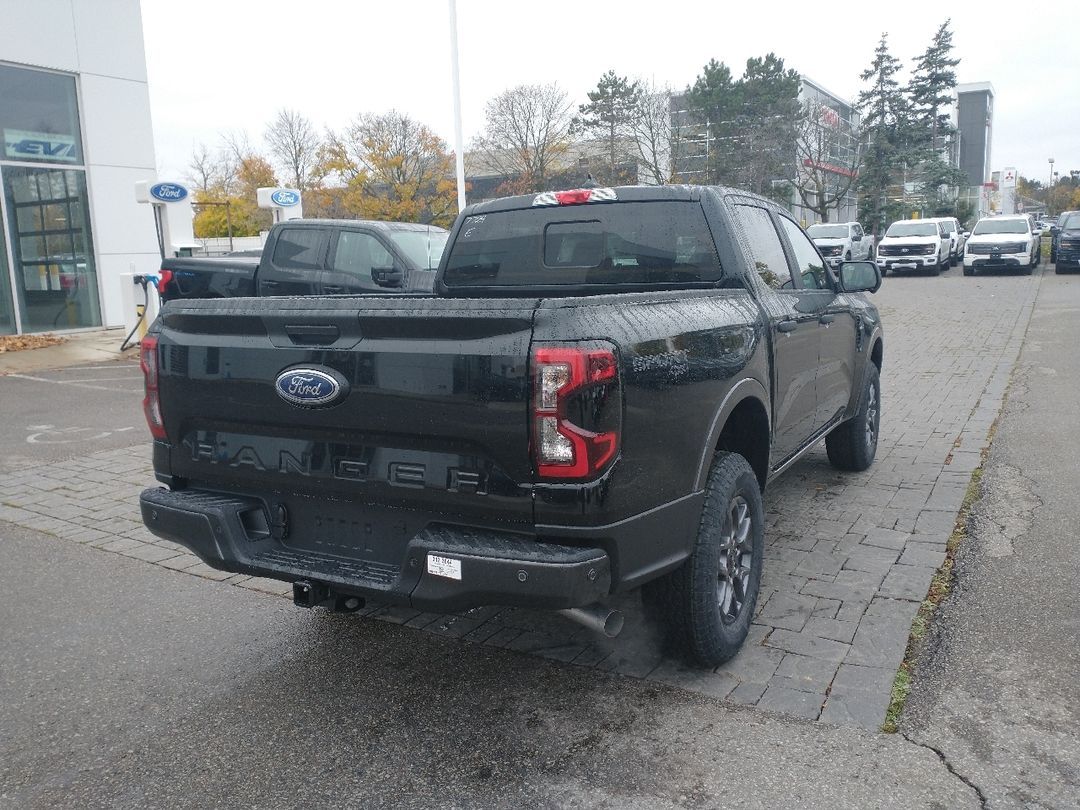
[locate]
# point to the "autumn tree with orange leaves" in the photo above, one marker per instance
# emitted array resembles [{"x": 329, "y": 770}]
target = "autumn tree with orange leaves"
[{"x": 393, "y": 168}]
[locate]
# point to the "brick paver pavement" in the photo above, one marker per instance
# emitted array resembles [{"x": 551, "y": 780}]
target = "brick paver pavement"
[{"x": 849, "y": 557}]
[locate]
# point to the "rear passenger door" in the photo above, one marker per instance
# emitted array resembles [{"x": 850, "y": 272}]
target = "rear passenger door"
[
  {"x": 835, "y": 321},
  {"x": 360, "y": 263},
  {"x": 795, "y": 334},
  {"x": 295, "y": 263}
]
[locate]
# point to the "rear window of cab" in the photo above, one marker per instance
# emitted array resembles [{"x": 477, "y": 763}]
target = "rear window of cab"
[{"x": 656, "y": 242}]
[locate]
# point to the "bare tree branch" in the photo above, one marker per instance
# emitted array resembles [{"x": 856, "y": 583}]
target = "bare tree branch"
[{"x": 294, "y": 143}]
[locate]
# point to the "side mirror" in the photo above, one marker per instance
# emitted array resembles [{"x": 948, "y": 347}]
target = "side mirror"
[
  {"x": 387, "y": 276},
  {"x": 967, "y": 234},
  {"x": 860, "y": 277}
]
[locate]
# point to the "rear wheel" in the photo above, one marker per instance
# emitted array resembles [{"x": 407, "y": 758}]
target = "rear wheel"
[
  {"x": 709, "y": 601},
  {"x": 853, "y": 444}
]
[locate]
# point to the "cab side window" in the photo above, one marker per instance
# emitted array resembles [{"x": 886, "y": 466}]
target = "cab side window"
[
  {"x": 357, "y": 253},
  {"x": 808, "y": 262},
  {"x": 298, "y": 248},
  {"x": 765, "y": 248}
]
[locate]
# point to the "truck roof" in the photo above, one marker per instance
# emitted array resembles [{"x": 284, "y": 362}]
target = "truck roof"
[
  {"x": 622, "y": 193},
  {"x": 367, "y": 223}
]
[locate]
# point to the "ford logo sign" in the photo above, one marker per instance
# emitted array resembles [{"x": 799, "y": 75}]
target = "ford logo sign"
[
  {"x": 168, "y": 192},
  {"x": 308, "y": 387},
  {"x": 285, "y": 197}
]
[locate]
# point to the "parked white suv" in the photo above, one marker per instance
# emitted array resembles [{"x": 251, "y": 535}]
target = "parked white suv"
[
  {"x": 914, "y": 244},
  {"x": 842, "y": 242},
  {"x": 1002, "y": 243},
  {"x": 956, "y": 238}
]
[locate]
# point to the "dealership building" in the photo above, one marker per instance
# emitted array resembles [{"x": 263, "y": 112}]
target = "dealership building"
[{"x": 75, "y": 122}]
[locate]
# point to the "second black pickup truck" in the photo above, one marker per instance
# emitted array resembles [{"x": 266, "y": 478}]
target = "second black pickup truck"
[
  {"x": 593, "y": 400},
  {"x": 315, "y": 257}
]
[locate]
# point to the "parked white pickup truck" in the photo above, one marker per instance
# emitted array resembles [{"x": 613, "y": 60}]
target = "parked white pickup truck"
[{"x": 842, "y": 242}]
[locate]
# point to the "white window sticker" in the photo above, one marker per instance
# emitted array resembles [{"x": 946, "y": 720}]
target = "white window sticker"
[{"x": 443, "y": 567}]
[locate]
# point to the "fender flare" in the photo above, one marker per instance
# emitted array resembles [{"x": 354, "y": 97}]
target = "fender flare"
[
  {"x": 747, "y": 388},
  {"x": 856, "y": 390}
]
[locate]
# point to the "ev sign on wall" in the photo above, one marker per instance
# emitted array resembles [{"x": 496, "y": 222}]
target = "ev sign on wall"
[{"x": 284, "y": 202}]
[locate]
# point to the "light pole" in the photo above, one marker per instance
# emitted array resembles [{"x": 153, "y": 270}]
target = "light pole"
[
  {"x": 1051, "y": 161},
  {"x": 459, "y": 146}
]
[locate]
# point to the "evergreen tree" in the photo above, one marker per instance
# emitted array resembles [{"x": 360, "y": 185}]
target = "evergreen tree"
[
  {"x": 712, "y": 102},
  {"x": 931, "y": 87},
  {"x": 930, "y": 96},
  {"x": 750, "y": 123},
  {"x": 768, "y": 125},
  {"x": 610, "y": 113},
  {"x": 886, "y": 128}
]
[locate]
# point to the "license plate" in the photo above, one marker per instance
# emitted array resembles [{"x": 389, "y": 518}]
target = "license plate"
[{"x": 995, "y": 255}]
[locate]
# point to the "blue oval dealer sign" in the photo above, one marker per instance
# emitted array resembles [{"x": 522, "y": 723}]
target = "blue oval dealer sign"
[
  {"x": 168, "y": 192},
  {"x": 285, "y": 197},
  {"x": 308, "y": 387}
]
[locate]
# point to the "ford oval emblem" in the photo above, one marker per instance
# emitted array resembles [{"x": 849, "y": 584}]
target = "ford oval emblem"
[
  {"x": 168, "y": 192},
  {"x": 308, "y": 387},
  {"x": 285, "y": 197}
]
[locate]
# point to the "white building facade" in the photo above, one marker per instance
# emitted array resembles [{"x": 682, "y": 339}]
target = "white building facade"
[{"x": 77, "y": 135}]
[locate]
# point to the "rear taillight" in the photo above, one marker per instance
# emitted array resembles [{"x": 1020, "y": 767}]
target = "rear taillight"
[
  {"x": 576, "y": 411},
  {"x": 164, "y": 277},
  {"x": 575, "y": 196},
  {"x": 148, "y": 361}
]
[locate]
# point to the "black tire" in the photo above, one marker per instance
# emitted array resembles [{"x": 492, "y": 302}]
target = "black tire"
[
  {"x": 1059, "y": 269},
  {"x": 969, "y": 271},
  {"x": 884, "y": 272},
  {"x": 707, "y": 622},
  {"x": 936, "y": 269},
  {"x": 952, "y": 261},
  {"x": 853, "y": 444},
  {"x": 847, "y": 256}
]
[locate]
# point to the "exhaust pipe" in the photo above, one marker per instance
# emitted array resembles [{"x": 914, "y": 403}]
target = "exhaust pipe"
[{"x": 598, "y": 618}]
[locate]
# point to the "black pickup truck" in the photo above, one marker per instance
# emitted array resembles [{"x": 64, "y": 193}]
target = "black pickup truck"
[
  {"x": 315, "y": 257},
  {"x": 593, "y": 400}
]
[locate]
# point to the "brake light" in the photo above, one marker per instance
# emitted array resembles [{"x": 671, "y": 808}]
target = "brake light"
[
  {"x": 164, "y": 277},
  {"x": 561, "y": 448},
  {"x": 575, "y": 196},
  {"x": 148, "y": 362}
]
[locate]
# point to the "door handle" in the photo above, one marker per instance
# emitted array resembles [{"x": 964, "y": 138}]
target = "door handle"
[
  {"x": 332, "y": 289},
  {"x": 827, "y": 319},
  {"x": 787, "y": 326},
  {"x": 270, "y": 284}
]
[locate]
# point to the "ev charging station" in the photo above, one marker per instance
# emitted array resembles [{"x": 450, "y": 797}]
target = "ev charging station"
[
  {"x": 173, "y": 219},
  {"x": 285, "y": 203}
]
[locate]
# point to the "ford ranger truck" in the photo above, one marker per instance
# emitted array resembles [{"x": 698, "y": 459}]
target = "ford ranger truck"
[{"x": 593, "y": 400}]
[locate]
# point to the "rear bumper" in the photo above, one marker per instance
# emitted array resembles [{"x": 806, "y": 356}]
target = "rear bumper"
[{"x": 486, "y": 568}]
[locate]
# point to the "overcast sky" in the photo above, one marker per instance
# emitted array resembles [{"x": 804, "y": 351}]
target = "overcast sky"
[{"x": 217, "y": 66}]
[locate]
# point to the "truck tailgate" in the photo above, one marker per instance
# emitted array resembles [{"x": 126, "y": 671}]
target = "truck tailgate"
[{"x": 432, "y": 414}]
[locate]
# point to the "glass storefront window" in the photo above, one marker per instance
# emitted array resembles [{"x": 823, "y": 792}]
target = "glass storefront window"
[
  {"x": 55, "y": 277},
  {"x": 39, "y": 117},
  {"x": 7, "y": 307}
]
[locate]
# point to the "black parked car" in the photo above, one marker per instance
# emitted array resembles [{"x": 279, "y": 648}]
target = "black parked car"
[{"x": 1065, "y": 242}]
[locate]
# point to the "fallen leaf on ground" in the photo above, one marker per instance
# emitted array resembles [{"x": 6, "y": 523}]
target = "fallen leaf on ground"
[{"x": 16, "y": 343}]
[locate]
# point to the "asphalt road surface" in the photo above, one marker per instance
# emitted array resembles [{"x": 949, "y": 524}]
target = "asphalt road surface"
[
  {"x": 997, "y": 692},
  {"x": 48, "y": 416},
  {"x": 125, "y": 685}
]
